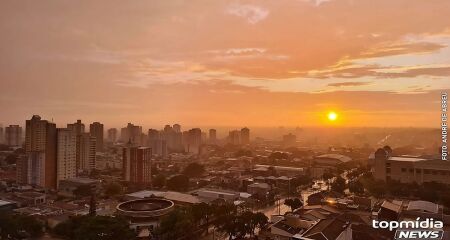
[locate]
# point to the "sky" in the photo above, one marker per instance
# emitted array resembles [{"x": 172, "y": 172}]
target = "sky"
[{"x": 260, "y": 63}]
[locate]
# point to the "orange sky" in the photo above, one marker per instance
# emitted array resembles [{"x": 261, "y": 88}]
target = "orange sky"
[{"x": 225, "y": 63}]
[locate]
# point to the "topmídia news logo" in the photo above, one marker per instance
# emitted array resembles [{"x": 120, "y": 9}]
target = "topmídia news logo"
[{"x": 418, "y": 230}]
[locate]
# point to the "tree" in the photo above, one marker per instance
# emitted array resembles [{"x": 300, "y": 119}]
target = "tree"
[
  {"x": 11, "y": 159},
  {"x": 83, "y": 191},
  {"x": 327, "y": 175},
  {"x": 251, "y": 221},
  {"x": 178, "y": 183},
  {"x": 201, "y": 212},
  {"x": 356, "y": 187},
  {"x": 376, "y": 188},
  {"x": 338, "y": 185},
  {"x": 176, "y": 224},
  {"x": 237, "y": 224},
  {"x": 159, "y": 181},
  {"x": 113, "y": 189},
  {"x": 259, "y": 220},
  {"x": 16, "y": 226},
  {"x": 94, "y": 227},
  {"x": 194, "y": 170},
  {"x": 293, "y": 203}
]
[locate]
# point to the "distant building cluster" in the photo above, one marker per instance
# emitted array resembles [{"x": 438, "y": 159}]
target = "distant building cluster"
[{"x": 55, "y": 154}]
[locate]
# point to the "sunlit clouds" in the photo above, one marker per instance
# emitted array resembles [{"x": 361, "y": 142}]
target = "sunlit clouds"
[{"x": 263, "y": 63}]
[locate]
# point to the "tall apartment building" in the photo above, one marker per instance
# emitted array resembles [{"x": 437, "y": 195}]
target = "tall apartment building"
[
  {"x": 39, "y": 167},
  {"x": 234, "y": 137},
  {"x": 13, "y": 135},
  {"x": 131, "y": 133},
  {"x": 137, "y": 164},
  {"x": 77, "y": 127},
  {"x": 157, "y": 143},
  {"x": 85, "y": 155},
  {"x": 245, "y": 136},
  {"x": 408, "y": 169},
  {"x": 212, "y": 136},
  {"x": 173, "y": 137},
  {"x": 176, "y": 127},
  {"x": 66, "y": 161},
  {"x": 289, "y": 140},
  {"x": 96, "y": 130},
  {"x": 112, "y": 135},
  {"x": 193, "y": 140}
]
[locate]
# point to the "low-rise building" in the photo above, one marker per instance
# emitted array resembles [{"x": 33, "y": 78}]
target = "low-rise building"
[
  {"x": 67, "y": 186},
  {"x": 259, "y": 189},
  {"x": 409, "y": 169},
  {"x": 216, "y": 194}
]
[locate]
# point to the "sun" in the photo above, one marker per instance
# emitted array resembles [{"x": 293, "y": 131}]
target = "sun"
[{"x": 332, "y": 116}]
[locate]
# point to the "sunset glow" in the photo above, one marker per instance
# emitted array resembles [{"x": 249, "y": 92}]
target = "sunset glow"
[{"x": 226, "y": 63}]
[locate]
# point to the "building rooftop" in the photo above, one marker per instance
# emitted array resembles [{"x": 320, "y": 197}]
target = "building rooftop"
[
  {"x": 217, "y": 191},
  {"x": 327, "y": 229},
  {"x": 3, "y": 203},
  {"x": 423, "y": 206},
  {"x": 266, "y": 167},
  {"x": 81, "y": 180},
  {"x": 338, "y": 157},
  {"x": 407, "y": 159},
  {"x": 260, "y": 185},
  {"x": 283, "y": 225},
  {"x": 391, "y": 206},
  {"x": 174, "y": 196}
]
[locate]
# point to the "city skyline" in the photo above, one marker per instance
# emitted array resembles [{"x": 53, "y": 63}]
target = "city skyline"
[{"x": 243, "y": 63}]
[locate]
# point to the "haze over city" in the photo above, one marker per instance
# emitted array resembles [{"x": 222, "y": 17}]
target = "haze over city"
[{"x": 225, "y": 63}]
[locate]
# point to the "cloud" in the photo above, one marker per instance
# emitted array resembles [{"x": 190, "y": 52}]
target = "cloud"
[
  {"x": 348, "y": 84},
  {"x": 402, "y": 48},
  {"x": 253, "y": 14},
  {"x": 316, "y": 2},
  {"x": 376, "y": 71}
]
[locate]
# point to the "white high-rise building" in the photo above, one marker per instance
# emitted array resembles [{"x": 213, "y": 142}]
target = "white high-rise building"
[{"x": 66, "y": 161}]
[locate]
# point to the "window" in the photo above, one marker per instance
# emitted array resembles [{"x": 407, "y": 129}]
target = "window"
[
  {"x": 418, "y": 170},
  {"x": 411, "y": 170},
  {"x": 388, "y": 170},
  {"x": 426, "y": 171},
  {"x": 403, "y": 169}
]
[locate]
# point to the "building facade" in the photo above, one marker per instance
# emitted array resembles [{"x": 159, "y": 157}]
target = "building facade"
[
  {"x": 131, "y": 133},
  {"x": 112, "y": 135},
  {"x": 212, "y": 136},
  {"x": 137, "y": 164},
  {"x": 234, "y": 137},
  {"x": 408, "y": 169},
  {"x": 245, "y": 136},
  {"x": 66, "y": 148},
  {"x": 86, "y": 149},
  {"x": 13, "y": 135},
  {"x": 39, "y": 166},
  {"x": 77, "y": 127},
  {"x": 96, "y": 130}
]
